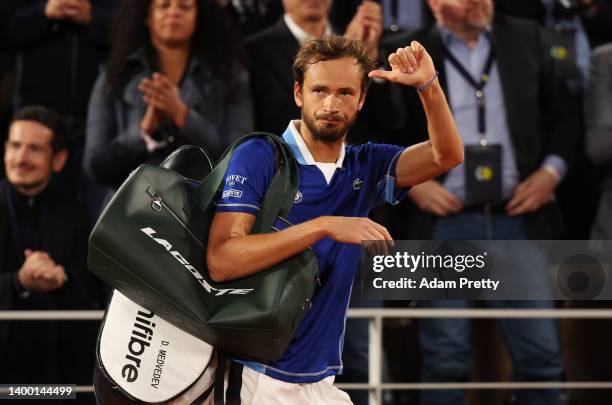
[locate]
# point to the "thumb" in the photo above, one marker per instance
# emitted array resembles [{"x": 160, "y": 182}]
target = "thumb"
[
  {"x": 27, "y": 252},
  {"x": 380, "y": 74}
]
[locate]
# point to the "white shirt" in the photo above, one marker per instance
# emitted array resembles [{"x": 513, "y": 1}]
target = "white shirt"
[{"x": 300, "y": 35}]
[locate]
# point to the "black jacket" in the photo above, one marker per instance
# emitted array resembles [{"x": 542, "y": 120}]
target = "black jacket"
[
  {"x": 59, "y": 61},
  {"x": 49, "y": 351},
  {"x": 539, "y": 119},
  {"x": 597, "y": 26}
]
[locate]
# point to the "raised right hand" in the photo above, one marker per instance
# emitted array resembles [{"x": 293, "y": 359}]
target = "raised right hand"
[
  {"x": 433, "y": 198},
  {"x": 410, "y": 66}
]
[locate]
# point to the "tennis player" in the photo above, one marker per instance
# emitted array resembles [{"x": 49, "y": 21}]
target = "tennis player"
[{"x": 339, "y": 184}]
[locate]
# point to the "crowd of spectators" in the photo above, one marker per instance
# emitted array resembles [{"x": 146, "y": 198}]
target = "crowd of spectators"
[{"x": 90, "y": 89}]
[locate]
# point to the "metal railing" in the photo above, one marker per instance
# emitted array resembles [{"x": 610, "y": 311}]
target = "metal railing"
[{"x": 375, "y": 386}]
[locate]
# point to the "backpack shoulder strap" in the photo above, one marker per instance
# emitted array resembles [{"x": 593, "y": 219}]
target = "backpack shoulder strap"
[{"x": 280, "y": 196}]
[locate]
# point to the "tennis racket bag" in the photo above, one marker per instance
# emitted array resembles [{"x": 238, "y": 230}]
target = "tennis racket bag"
[
  {"x": 150, "y": 245},
  {"x": 142, "y": 359}
]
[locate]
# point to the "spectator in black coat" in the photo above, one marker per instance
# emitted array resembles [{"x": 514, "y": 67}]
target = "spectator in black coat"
[
  {"x": 43, "y": 250},
  {"x": 7, "y": 62},
  {"x": 61, "y": 44}
]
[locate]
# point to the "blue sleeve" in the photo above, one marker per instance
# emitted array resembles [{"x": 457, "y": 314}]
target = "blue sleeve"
[
  {"x": 248, "y": 176},
  {"x": 382, "y": 163}
]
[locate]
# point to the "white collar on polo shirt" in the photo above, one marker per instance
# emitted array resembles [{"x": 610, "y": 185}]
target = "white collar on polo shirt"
[{"x": 328, "y": 169}]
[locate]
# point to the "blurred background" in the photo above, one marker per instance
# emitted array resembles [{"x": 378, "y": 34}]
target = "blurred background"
[{"x": 90, "y": 89}]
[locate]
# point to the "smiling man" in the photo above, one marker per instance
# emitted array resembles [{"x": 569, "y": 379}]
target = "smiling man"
[
  {"x": 43, "y": 248},
  {"x": 339, "y": 184},
  {"x": 33, "y": 151}
]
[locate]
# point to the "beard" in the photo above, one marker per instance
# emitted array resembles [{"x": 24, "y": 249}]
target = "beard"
[{"x": 326, "y": 132}]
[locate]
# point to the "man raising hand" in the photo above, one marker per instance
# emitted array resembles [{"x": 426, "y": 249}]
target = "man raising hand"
[{"x": 339, "y": 184}]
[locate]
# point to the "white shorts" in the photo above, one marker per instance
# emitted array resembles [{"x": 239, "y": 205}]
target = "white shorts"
[
  {"x": 244, "y": 386},
  {"x": 258, "y": 388}
]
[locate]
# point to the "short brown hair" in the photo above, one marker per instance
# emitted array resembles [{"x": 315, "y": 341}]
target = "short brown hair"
[
  {"x": 47, "y": 118},
  {"x": 330, "y": 48}
]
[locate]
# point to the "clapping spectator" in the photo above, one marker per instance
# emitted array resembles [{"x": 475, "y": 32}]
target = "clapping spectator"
[
  {"x": 174, "y": 78},
  {"x": 43, "y": 250},
  {"x": 60, "y": 45}
]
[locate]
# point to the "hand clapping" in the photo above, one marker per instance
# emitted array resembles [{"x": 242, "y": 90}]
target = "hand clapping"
[
  {"x": 76, "y": 11},
  {"x": 40, "y": 273},
  {"x": 367, "y": 26},
  {"x": 164, "y": 96}
]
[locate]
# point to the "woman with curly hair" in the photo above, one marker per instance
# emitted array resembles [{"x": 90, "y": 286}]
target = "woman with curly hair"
[{"x": 175, "y": 77}]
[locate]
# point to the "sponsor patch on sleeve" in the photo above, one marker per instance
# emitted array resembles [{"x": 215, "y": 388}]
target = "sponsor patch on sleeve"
[
  {"x": 234, "y": 179},
  {"x": 232, "y": 193}
]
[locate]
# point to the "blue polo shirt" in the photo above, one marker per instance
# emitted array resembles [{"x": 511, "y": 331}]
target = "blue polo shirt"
[{"x": 362, "y": 177}]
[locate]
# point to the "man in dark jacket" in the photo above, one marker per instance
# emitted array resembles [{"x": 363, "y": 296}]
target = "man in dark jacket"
[
  {"x": 540, "y": 135},
  {"x": 61, "y": 44},
  {"x": 43, "y": 249},
  {"x": 570, "y": 28},
  {"x": 7, "y": 62}
]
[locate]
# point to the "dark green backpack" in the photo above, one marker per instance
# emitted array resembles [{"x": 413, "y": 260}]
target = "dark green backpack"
[{"x": 150, "y": 244}]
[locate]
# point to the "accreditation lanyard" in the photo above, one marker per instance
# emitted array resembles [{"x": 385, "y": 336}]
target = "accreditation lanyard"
[{"x": 478, "y": 87}]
